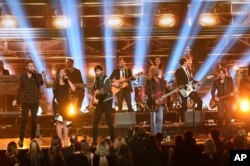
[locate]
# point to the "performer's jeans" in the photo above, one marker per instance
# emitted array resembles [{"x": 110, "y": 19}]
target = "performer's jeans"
[
  {"x": 156, "y": 121},
  {"x": 33, "y": 107},
  {"x": 193, "y": 95},
  {"x": 124, "y": 94},
  {"x": 105, "y": 108}
]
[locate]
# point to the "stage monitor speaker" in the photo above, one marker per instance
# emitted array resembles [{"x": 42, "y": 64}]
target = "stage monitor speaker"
[
  {"x": 199, "y": 118},
  {"x": 125, "y": 119}
]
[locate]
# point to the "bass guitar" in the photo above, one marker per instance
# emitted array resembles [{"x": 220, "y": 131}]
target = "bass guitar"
[
  {"x": 189, "y": 88},
  {"x": 117, "y": 85}
]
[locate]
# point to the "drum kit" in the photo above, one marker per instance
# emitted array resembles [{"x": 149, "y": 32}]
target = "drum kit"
[{"x": 173, "y": 103}]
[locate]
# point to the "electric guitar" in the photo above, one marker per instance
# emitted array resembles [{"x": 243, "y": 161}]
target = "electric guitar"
[
  {"x": 189, "y": 87},
  {"x": 213, "y": 103},
  {"x": 117, "y": 85},
  {"x": 161, "y": 98}
]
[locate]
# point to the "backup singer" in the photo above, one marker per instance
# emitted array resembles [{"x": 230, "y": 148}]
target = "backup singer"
[
  {"x": 158, "y": 63},
  {"x": 223, "y": 88},
  {"x": 103, "y": 93},
  {"x": 28, "y": 94},
  {"x": 75, "y": 77},
  {"x": 61, "y": 88},
  {"x": 125, "y": 93},
  {"x": 183, "y": 77},
  {"x": 154, "y": 85}
]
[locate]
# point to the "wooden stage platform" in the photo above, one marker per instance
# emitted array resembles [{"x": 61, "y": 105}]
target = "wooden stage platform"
[{"x": 82, "y": 126}]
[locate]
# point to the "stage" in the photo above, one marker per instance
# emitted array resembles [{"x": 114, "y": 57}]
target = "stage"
[{"x": 82, "y": 126}]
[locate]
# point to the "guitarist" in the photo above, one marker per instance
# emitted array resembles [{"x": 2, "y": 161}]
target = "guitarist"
[
  {"x": 154, "y": 85},
  {"x": 223, "y": 86},
  {"x": 183, "y": 76},
  {"x": 105, "y": 97},
  {"x": 125, "y": 93}
]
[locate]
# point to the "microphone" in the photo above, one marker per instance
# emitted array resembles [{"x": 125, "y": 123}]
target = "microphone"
[{"x": 65, "y": 79}]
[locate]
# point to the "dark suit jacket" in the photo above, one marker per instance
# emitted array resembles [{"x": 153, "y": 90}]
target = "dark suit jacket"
[
  {"x": 116, "y": 75},
  {"x": 75, "y": 77},
  {"x": 181, "y": 76},
  {"x": 226, "y": 90}
]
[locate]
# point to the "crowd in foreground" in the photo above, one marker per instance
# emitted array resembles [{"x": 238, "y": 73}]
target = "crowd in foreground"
[{"x": 136, "y": 149}]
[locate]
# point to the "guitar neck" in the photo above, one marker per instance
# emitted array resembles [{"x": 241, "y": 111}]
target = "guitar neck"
[{"x": 170, "y": 93}]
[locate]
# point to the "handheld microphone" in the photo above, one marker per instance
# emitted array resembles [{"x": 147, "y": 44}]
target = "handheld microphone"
[{"x": 65, "y": 79}]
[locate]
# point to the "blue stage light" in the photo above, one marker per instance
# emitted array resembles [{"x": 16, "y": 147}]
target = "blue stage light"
[
  {"x": 16, "y": 7},
  {"x": 188, "y": 28},
  {"x": 108, "y": 34},
  {"x": 74, "y": 36},
  {"x": 224, "y": 45},
  {"x": 143, "y": 32}
]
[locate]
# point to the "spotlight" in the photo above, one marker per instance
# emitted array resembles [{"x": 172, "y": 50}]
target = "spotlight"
[
  {"x": 245, "y": 105},
  {"x": 92, "y": 72},
  {"x": 166, "y": 20},
  {"x": 61, "y": 22},
  {"x": 114, "y": 21},
  {"x": 208, "y": 19},
  {"x": 8, "y": 21},
  {"x": 72, "y": 110}
]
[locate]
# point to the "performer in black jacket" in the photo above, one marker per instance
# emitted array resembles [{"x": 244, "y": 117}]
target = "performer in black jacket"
[
  {"x": 223, "y": 87},
  {"x": 125, "y": 93},
  {"x": 29, "y": 94},
  {"x": 75, "y": 76},
  {"x": 183, "y": 77},
  {"x": 102, "y": 89}
]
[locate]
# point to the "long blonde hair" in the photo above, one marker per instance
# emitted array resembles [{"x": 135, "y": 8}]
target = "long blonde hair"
[{"x": 209, "y": 147}]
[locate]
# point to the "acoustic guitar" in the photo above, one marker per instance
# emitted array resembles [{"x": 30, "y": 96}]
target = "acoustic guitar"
[
  {"x": 99, "y": 94},
  {"x": 117, "y": 85}
]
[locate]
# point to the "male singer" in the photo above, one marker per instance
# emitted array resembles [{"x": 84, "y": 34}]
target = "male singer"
[{"x": 28, "y": 94}]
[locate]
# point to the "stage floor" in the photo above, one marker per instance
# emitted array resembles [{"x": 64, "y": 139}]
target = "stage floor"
[{"x": 45, "y": 141}]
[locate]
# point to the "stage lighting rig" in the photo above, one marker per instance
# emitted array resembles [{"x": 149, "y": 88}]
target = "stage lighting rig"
[
  {"x": 166, "y": 20},
  {"x": 114, "y": 21},
  {"x": 8, "y": 21},
  {"x": 209, "y": 19},
  {"x": 61, "y": 22}
]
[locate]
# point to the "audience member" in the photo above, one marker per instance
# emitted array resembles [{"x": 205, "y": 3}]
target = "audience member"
[
  {"x": 85, "y": 150},
  {"x": 209, "y": 156},
  {"x": 69, "y": 150},
  {"x": 77, "y": 158},
  {"x": 123, "y": 158},
  {"x": 225, "y": 157},
  {"x": 34, "y": 157},
  {"x": 11, "y": 154},
  {"x": 152, "y": 154},
  {"x": 55, "y": 155},
  {"x": 101, "y": 153}
]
